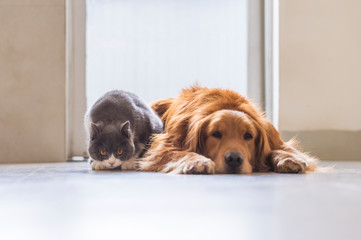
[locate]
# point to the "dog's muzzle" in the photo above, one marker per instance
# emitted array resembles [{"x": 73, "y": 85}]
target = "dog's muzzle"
[{"x": 233, "y": 159}]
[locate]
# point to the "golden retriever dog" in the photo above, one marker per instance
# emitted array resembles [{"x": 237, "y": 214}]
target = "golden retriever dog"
[{"x": 219, "y": 131}]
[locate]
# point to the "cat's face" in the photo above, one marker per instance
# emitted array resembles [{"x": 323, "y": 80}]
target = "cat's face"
[{"x": 111, "y": 145}]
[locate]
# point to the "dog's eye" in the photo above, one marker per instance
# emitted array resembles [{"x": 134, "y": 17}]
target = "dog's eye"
[
  {"x": 217, "y": 134},
  {"x": 247, "y": 136}
]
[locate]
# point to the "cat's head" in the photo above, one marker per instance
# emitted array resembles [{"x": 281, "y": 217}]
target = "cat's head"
[{"x": 111, "y": 144}]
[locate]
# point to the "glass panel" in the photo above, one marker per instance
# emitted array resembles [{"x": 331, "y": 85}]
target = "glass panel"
[{"x": 155, "y": 48}]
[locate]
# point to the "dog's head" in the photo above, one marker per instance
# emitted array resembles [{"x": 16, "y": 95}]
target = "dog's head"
[{"x": 235, "y": 142}]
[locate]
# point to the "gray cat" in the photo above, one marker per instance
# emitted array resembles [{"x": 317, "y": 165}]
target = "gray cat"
[{"x": 119, "y": 125}]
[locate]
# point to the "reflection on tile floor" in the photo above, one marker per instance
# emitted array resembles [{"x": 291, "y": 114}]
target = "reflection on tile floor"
[{"x": 69, "y": 201}]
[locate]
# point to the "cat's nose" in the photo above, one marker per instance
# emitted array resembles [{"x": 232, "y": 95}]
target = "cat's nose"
[{"x": 111, "y": 163}]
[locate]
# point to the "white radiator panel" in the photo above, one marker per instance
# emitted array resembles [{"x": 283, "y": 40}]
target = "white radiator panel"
[{"x": 155, "y": 48}]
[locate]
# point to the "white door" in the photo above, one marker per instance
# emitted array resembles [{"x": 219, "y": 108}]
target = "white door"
[{"x": 155, "y": 48}]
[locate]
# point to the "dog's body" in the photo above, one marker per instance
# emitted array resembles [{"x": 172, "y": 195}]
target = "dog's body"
[{"x": 219, "y": 131}]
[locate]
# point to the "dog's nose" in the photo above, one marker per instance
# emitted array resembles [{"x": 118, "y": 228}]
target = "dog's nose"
[{"x": 233, "y": 159}]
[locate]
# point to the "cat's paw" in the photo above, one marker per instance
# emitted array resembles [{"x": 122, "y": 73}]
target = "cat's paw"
[
  {"x": 130, "y": 164},
  {"x": 97, "y": 165}
]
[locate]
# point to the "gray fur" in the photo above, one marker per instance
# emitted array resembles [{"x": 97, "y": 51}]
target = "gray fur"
[{"x": 120, "y": 120}]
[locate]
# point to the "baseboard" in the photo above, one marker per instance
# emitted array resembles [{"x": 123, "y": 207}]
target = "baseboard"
[{"x": 329, "y": 144}]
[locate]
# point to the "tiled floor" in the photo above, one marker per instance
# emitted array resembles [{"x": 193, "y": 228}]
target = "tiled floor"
[{"x": 68, "y": 201}]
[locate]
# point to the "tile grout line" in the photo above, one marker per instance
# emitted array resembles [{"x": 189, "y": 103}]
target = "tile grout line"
[{"x": 30, "y": 174}]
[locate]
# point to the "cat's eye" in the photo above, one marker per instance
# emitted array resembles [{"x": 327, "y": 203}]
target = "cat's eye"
[
  {"x": 102, "y": 152},
  {"x": 217, "y": 134},
  {"x": 120, "y": 152},
  {"x": 247, "y": 136}
]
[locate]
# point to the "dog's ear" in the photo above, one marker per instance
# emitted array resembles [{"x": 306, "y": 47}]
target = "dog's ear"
[
  {"x": 161, "y": 106},
  {"x": 263, "y": 148},
  {"x": 196, "y": 136},
  {"x": 268, "y": 139}
]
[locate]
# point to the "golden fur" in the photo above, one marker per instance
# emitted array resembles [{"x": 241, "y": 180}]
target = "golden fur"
[{"x": 201, "y": 126}]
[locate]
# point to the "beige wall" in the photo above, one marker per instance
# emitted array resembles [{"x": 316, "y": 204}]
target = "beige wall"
[
  {"x": 32, "y": 77},
  {"x": 320, "y": 65}
]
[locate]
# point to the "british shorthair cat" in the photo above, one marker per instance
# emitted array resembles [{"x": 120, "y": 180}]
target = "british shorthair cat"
[{"x": 119, "y": 127}]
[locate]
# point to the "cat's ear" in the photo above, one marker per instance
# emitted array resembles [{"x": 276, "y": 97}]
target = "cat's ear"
[
  {"x": 95, "y": 129},
  {"x": 125, "y": 129}
]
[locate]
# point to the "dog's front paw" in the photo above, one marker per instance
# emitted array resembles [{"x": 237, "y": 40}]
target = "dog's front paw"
[
  {"x": 190, "y": 163},
  {"x": 291, "y": 165},
  {"x": 200, "y": 167}
]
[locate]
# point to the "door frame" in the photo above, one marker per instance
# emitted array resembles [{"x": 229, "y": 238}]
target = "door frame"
[
  {"x": 76, "y": 77},
  {"x": 263, "y": 66}
]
